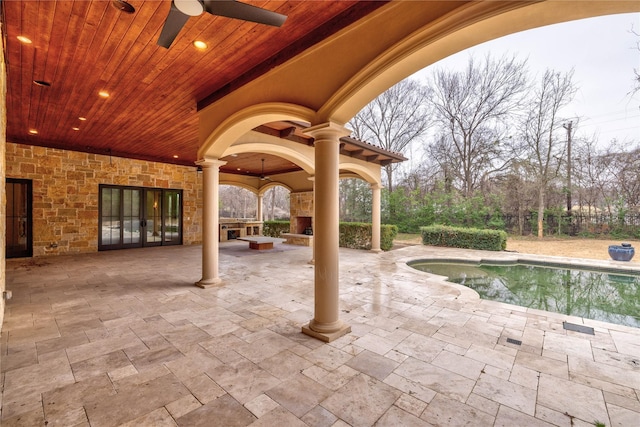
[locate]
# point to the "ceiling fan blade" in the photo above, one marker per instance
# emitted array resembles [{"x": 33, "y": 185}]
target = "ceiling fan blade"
[
  {"x": 246, "y": 12},
  {"x": 172, "y": 26}
]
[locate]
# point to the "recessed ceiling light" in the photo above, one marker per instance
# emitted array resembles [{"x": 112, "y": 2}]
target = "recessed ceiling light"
[
  {"x": 33, "y": 131},
  {"x": 82, "y": 118},
  {"x": 75, "y": 128},
  {"x": 175, "y": 156},
  {"x": 199, "y": 44},
  {"x": 239, "y": 169},
  {"x": 103, "y": 93},
  {"x": 41, "y": 83},
  {"x": 25, "y": 40}
]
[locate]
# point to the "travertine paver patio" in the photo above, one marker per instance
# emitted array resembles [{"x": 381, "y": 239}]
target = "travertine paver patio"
[{"x": 124, "y": 338}]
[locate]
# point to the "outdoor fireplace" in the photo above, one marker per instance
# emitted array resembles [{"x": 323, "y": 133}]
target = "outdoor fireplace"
[
  {"x": 301, "y": 219},
  {"x": 304, "y": 225}
]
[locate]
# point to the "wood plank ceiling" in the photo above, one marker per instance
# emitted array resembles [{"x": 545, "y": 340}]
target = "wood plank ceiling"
[{"x": 79, "y": 48}]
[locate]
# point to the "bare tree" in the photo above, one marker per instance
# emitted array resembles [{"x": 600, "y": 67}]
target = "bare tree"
[
  {"x": 624, "y": 167},
  {"x": 474, "y": 109},
  {"x": 518, "y": 193},
  {"x": 636, "y": 71},
  {"x": 394, "y": 120},
  {"x": 542, "y": 144},
  {"x": 276, "y": 203},
  {"x": 355, "y": 200}
]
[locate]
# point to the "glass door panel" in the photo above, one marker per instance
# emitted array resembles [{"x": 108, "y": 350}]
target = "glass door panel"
[
  {"x": 110, "y": 216},
  {"x": 172, "y": 221},
  {"x": 18, "y": 219},
  {"x": 131, "y": 217},
  {"x": 153, "y": 217}
]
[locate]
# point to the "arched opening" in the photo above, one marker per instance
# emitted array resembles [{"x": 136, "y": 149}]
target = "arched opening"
[
  {"x": 355, "y": 200},
  {"x": 276, "y": 203}
]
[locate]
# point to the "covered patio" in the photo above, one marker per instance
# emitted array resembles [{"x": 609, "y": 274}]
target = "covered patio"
[{"x": 124, "y": 338}]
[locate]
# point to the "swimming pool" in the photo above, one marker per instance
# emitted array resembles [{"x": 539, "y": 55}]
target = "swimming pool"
[{"x": 593, "y": 294}]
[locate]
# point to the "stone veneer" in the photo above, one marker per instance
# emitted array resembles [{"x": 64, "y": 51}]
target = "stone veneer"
[
  {"x": 301, "y": 204},
  {"x": 66, "y": 187}
]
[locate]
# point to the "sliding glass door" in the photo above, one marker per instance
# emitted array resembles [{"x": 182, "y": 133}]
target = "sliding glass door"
[
  {"x": 139, "y": 217},
  {"x": 172, "y": 217}
]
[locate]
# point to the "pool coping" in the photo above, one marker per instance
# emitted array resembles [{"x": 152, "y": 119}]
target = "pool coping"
[{"x": 443, "y": 254}]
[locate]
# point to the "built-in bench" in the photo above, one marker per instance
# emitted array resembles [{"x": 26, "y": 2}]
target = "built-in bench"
[{"x": 298, "y": 239}]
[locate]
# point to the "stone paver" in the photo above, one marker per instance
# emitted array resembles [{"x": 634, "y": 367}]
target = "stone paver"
[{"x": 124, "y": 338}]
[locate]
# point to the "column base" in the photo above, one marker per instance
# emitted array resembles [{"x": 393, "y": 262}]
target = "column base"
[
  {"x": 208, "y": 283},
  {"x": 327, "y": 336},
  {"x": 376, "y": 251}
]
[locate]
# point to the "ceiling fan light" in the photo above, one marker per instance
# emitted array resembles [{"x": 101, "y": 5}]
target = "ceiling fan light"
[{"x": 189, "y": 7}]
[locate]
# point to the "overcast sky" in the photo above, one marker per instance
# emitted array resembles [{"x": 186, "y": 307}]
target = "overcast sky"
[{"x": 603, "y": 53}]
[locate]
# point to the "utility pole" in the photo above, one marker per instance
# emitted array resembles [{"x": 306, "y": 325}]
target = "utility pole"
[{"x": 568, "y": 128}]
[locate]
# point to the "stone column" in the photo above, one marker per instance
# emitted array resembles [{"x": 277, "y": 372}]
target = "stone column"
[
  {"x": 259, "y": 212},
  {"x": 326, "y": 324},
  {"x": 375, "y": 218},
  {"x": 313, "y": 225},
  {"x": 210, "y": 222}
]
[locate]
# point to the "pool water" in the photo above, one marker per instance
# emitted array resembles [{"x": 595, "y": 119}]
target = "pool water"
[{"x": 606, "y": 296}]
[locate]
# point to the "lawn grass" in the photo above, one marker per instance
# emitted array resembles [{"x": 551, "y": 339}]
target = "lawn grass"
[{"x": 408, "y": 237}]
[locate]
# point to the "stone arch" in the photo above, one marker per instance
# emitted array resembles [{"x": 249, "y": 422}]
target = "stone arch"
[
  {"x": 235, "y": 126},
  {"x": 355, "y": 170},
  {"x": 292, "y": 151},
  {"x": 253, "y": 190},
  {"x": 467, "y": 26},
  {"x": 272, "y": 184}
]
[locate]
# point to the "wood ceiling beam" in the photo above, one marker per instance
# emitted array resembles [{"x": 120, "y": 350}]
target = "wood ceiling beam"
[{"x": 284, "y": 133}]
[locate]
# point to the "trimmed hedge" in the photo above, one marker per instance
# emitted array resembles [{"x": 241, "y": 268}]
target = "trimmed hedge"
[
  {"x": 355, "y": 235},
  {"x": 274, "y": 228},
  {"x": 467, "y": 238},
  {"x": 388, "y": 233}
]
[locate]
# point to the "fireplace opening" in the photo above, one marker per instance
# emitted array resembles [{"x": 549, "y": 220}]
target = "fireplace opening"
[{"x": 303, "y": 225}]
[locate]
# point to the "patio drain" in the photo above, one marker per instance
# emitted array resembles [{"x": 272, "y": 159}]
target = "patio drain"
[
  {"x": 512, "y": 341},
  {"x": 578, "y": 328}
]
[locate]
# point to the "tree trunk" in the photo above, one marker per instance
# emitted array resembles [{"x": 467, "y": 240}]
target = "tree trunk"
[
  {"x": 541, "y": 213},
  {"x": 389, "y": 170},
  {"x": 273, "y": 204}
]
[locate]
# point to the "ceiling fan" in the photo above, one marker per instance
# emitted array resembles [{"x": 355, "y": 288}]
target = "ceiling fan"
[
  {"x": 181, "y": 10},
  {"x": 262, "y": 176}
]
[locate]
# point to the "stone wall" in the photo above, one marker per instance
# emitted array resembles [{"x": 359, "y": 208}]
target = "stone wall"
[
  {"x": 300, "y": 204},
  {"x": 66, "y": 193}
]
